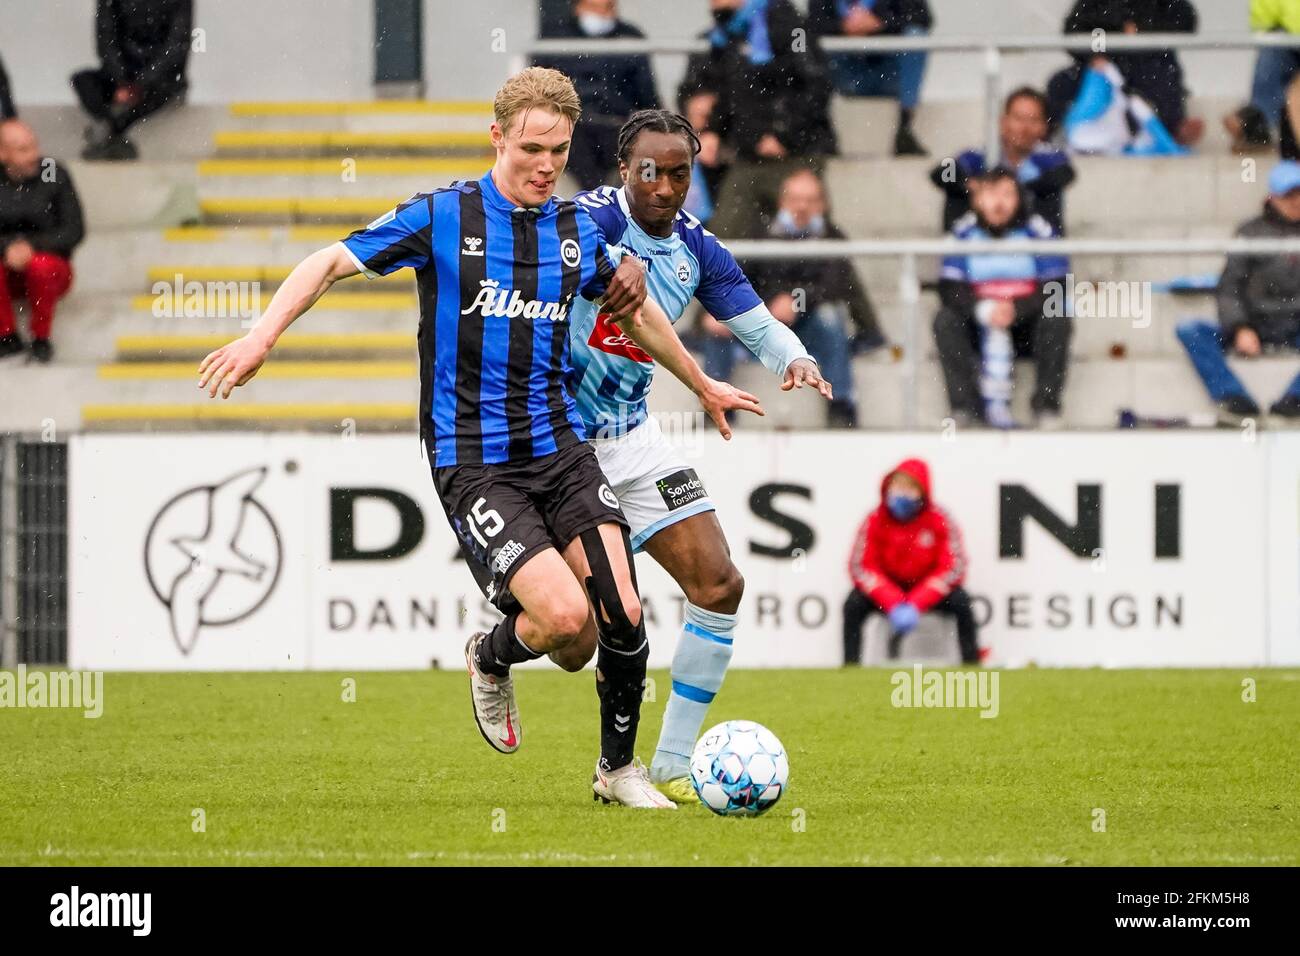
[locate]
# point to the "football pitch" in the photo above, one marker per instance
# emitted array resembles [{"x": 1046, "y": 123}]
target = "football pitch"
[{"x": 1082, "y": 767}]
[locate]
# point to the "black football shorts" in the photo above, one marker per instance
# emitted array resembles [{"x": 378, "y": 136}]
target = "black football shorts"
[{"x": 503, "y": 514}]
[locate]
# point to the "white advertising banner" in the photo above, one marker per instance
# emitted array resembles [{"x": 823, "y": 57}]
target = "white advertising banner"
[{"x": 248, "y": 551}]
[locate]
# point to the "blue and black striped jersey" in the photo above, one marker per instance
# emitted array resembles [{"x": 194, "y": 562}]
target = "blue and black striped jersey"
[{"x": 496, "y": 282}]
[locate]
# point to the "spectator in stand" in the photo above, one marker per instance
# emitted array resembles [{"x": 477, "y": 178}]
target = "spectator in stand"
[
  {"x": 907, "y": 560},
  {"x": 612, "y": 87},
  {"x": 1251, "y": 127},
  {"x": 711, "y": 163},
  {"x": 40, "y": 226},
  {"x": 897, "y": 75},
  {"x": 772, "y": 112},
  {"x": 1155, "y": 75},
  {"x": 144, "y": 46},
  {"x": 821, "y": 300},
  {"x": 7, "y": 110},
  {"x": 1043, "y": 170},
  {"x": 995, "y": 308},
  {"x": 1259, "y": 307}
]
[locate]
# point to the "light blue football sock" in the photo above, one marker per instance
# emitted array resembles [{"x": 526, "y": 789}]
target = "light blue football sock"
[{"x": 699, "y": 665}]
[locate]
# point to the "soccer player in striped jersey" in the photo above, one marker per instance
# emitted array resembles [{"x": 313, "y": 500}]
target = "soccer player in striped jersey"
[
  {"x": 499, "y": 264},
  {"x": 669, "y": 510}
]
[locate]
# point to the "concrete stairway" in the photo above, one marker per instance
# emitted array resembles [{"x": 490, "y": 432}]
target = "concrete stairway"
[{"x": 240, "y": 194}]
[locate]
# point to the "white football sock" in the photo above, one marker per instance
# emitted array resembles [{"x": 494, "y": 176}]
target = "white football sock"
[{"x": 699, "y": 665}]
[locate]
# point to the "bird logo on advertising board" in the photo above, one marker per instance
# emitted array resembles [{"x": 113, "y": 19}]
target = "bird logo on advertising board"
[{"x": 213, "y": 555}]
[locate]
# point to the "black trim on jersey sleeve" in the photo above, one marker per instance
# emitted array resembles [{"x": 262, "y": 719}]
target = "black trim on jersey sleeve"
[{"x": 400, "y": 238}]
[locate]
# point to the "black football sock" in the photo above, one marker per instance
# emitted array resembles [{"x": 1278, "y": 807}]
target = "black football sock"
[
  {"x": 503, "y": 647},
  {"x": 620, "y": 683}
]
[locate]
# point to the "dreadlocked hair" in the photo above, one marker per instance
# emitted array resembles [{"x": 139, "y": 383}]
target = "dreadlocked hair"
[{"x": 657, "y": 121}]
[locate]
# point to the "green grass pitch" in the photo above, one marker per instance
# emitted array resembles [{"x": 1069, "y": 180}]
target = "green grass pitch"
[{"x": 286, "y": 772}]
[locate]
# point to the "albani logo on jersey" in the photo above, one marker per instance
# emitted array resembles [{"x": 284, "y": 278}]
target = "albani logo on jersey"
[
  {"x": 492, "y": 300},
  {"x": 608, "y": 337}
]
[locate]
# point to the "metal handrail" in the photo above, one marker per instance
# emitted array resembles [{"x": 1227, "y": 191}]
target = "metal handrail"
[
  {"x": 992, "y": 48},
  {"x": 1080, "y": 42},
  {"x": 838, "y": 248},
  {"x": 909, "y": 251}
]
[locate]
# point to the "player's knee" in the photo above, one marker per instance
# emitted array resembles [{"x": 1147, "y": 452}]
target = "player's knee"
[
  {"x": 44, "y": 267},
  {"x": 618, "y": 619},
  {"x": 631, "y": 605},
  {"x": 563, "y": 622},
  {"x": 720, "y": 590}
]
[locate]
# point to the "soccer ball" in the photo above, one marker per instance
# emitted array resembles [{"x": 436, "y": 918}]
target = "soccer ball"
[{"x": 739, "y": 768}]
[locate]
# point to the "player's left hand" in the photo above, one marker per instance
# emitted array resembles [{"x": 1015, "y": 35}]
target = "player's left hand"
[
  {"x": 626, "y": 290},
  {"x": 232, "y": 365},
  {"x": 718, "y": 398},
  {"x": 803, "y": 371}
]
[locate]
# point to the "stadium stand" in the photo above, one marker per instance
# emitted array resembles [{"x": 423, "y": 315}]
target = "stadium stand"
[{"x": 236, "y": 193}]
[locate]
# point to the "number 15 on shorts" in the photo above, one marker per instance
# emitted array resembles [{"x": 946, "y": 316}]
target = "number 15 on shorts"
[{"x": 484, "y": 522}]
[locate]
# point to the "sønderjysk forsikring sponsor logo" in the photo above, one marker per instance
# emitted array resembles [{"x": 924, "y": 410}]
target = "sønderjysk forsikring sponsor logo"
[{"x": 681, "y": 488}]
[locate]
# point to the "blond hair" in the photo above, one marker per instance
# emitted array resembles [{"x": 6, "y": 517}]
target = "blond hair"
[{"x": 537, "y": 87}]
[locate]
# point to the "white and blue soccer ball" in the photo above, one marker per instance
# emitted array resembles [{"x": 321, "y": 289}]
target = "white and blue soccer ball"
[{"x": 739, "y": 768}]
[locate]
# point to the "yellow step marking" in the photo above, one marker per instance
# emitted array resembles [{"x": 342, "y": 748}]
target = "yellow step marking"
[
  {"x": 365, "y": 166},
  {"x": 354, "y": 107},
  {"x": 287, "y": 342},
  {"x": 267, "y": 274},
  {"x": 291, "y": 370},
  {"x": 225, "y": 410},
  {"x": 360, "y": 206},
  {"x": 334, "y": 139},
  {"x": 360, "y": 301},
  {"x": 322, "y": 234}
]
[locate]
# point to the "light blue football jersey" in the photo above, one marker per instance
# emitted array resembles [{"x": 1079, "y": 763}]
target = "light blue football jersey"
[{"x": 611, "y": 375}]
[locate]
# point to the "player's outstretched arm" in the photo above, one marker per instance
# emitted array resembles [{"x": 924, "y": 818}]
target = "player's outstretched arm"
[
  {"x": 234, "y": 364},
  {"x": 656, "y": 335}
]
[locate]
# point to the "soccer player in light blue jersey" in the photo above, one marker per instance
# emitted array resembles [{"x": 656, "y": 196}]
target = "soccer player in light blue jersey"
[{"x": 670, "y": 513}]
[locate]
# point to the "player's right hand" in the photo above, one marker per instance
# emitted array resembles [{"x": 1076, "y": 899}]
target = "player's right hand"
[
  {"x": 232, "y": 365},
  {"x": 718, "y": 398}
]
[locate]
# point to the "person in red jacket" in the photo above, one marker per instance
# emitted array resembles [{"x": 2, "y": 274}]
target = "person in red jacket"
[{"x": 907, "y": 560}]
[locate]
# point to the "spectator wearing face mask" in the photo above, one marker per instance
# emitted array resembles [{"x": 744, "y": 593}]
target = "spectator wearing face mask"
[
  {"x": 1043, "y": 170},
  {"x": 822, "y": 301},
  {"x": 612, "y": 87},
  {"x": 907, "y": 561}
]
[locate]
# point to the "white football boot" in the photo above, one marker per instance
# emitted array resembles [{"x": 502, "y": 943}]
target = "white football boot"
[
  {"x": 629, "y": 786},
  {"x": 493, "y": 697}
]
